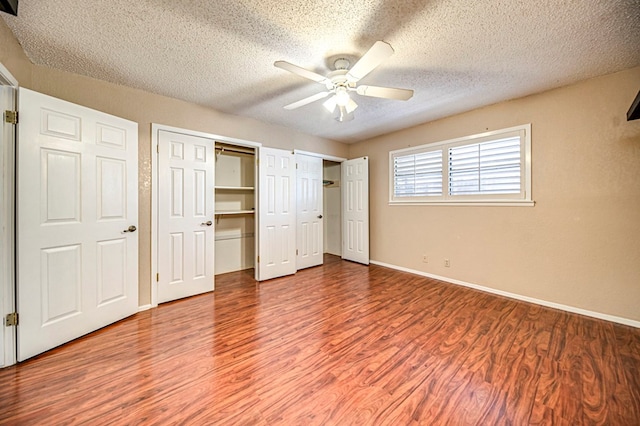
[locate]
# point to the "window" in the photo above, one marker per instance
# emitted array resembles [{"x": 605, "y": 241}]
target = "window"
[{"x": 490, "y": 168}]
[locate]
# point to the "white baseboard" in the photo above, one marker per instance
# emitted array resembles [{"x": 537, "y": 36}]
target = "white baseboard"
[
  {"x": 606, "y": 317},
  {"x": 145, "y": 307}
]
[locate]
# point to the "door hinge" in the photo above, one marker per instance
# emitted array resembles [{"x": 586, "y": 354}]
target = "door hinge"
[
  {"x": 258, "y": 259},
  {"x": 296, "y": 252},
  {"x": 158, "y": 148},
  {"x": 158, "y": 277},
  {"x": 11, "y": 117},
  {"x": 11, "y": 319}
]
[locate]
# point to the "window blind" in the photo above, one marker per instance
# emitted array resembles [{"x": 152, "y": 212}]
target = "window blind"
[
  {"x": 491, "y": 167},
  {"x": 418, "y": 175}
]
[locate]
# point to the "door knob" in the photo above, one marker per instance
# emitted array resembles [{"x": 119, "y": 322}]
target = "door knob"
[
  {"x": 319, "y": 216},
  {"x": 130, "y": 229},
  {"x": 207, "y": 223}
]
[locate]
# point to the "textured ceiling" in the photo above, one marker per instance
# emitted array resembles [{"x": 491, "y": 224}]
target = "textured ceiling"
[{"x": 457, "y": 55}]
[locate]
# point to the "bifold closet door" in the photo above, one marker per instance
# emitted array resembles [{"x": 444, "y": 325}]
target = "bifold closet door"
[
  {"x": 185, "y": 215},
  {"x": 276, "y": 214},
  {"x": 77, "y": 200}
]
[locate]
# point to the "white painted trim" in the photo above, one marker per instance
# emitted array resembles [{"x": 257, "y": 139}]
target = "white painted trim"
[
  {"x": 7, "y": 241},
  {"x": 145, "y": 307},
  {"x": 323, "y": 156},
  {"x": 218, "y": 138},
  {"x": 6, "y": 78},
  {"x": 486, "y": 203},
  {"x": 567, "y": 308},
  {"x": 155, "y": 130}
]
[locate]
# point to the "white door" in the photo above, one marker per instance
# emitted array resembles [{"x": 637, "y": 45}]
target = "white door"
[
  {"x": 309, "y": 229},
  {"x": 77, "y": 198},
  {"x": 355, "y": 210},
  {"x": 277, "y": 214},
  {"x": 185, "y": 217}
]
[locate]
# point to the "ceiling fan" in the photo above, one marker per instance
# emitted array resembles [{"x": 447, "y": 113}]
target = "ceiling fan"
[{"x": 342, "y": 81}]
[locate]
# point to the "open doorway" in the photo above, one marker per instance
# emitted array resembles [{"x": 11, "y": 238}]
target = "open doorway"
[{"x": 332, "y": 207}]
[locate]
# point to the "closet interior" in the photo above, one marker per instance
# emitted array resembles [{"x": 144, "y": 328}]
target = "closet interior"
[
  {"x": 235, "y": 202},
  {"x": 332, "y": 207}
]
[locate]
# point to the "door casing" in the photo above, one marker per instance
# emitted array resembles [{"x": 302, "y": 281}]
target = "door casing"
[{"x": 7, "y": 223}]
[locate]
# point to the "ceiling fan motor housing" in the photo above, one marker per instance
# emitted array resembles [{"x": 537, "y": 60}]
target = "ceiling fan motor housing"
[
  {"x": 341, "y": 64},
  {"x": 338, "y": 78}
]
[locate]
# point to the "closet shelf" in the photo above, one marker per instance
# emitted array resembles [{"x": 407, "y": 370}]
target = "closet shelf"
[
  {"x": 234, "y": 188},
  {"x": 225, "y": 212}
]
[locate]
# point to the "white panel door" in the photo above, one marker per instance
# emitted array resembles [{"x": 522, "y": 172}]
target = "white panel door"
[
  {"x": 355, "y": 210},
  {"x": 277, "y": 214},
  {"x": 77, "y": 198},
  {"x": 185, "y": 218},
  {"x": 309, "y": 229}
]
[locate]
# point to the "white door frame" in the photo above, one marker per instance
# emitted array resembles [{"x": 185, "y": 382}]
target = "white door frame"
[
  {"x": 155, "y": 130},
  {"x": 7, "y": 238},
  {"x": 8, "y": 284},
  {"x": 323, "y": 156}
]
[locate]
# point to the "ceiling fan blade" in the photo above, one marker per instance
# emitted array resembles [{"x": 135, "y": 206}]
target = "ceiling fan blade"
[
  {"x": 330, "y": 104},
  {"x": 351, "y": 106},
  {"x": 370, "y": 60},
  {"x": 301, "y": 72},
  {"x": 308, "y": 100},
  {"x": 385, "y": 92}
]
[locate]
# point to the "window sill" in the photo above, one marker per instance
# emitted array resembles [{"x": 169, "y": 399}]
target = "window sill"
[{"x": 485, "y": 203}]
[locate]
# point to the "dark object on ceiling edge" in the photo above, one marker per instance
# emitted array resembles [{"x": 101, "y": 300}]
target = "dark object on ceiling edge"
[
  {"x": 634, "y": 111},
  {"x": 9, "y": 6}
]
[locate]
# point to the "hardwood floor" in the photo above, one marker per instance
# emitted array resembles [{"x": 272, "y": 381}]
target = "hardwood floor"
[{"x": 339, "y": 344}]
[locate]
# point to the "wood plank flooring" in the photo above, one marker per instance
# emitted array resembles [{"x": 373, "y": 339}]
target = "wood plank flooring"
[{"x": 340, "y": 344}]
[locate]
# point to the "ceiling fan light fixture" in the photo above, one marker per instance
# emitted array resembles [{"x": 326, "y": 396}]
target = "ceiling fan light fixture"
[{"x": 342, "y": 97}]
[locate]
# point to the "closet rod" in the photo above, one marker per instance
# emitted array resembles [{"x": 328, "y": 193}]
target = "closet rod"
[{"x": 223, "y": 148}]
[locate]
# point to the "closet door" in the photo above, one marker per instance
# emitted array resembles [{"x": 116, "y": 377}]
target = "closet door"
[
  {"x": 185, "y": 218},
  {"x": 309, "y": 229},
  {"x": 355, "y": 210},
  {"x": 277, "y": 214}
]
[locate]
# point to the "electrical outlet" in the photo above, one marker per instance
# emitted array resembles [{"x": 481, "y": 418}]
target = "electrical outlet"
[
  {"x": 447, "y": 263},
  {"x": 425, "y": 259}
]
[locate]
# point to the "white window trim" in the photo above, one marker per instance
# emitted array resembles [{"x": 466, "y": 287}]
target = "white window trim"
[{"x": 479, "y": 200}]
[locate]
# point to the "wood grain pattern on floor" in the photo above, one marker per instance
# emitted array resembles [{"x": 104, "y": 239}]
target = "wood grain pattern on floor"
[{"x": 339, "y": 344}]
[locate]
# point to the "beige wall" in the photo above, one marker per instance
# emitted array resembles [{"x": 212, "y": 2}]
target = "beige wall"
[
  {"x": 579, "y": 246},
  {"x": 146, "y": 108}
]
